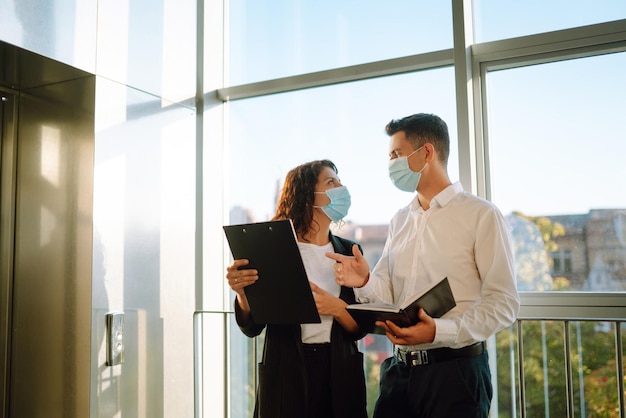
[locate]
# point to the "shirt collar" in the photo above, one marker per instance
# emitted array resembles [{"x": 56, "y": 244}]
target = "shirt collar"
[{"x": 444, "y": 197}]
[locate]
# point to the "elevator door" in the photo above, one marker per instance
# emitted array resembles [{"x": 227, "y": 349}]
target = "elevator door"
[
  {"x": 46, "y": 183},
  {"x": 7, "y": 228}
]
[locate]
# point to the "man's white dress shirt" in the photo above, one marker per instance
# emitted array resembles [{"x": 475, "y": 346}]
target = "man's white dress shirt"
[{"x": 461, "y": 237}]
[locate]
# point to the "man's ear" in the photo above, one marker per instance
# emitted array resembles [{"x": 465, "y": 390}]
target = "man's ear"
[{"x": 430, "y": 152}]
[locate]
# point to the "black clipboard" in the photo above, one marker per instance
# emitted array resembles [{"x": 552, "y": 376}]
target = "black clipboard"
[{"x": 282, "y": 295}]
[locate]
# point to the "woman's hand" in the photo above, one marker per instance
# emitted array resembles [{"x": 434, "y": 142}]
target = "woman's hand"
[
  {"x": 328, "y": 304},
  {"x": 239, "y": 279}
]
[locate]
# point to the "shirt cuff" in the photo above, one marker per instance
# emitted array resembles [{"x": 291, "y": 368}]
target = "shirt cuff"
[
  {"x": 366, "y": 293},
  {"x": 446, "y": 331}
]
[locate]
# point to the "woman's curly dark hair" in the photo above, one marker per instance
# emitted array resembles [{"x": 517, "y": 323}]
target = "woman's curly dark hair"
[{"x": 297, "y": 196}]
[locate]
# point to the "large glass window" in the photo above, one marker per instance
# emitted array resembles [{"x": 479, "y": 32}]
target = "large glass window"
[
  {"x": 345, "y": 123},
  {"x": 554, "y": 147},
  {"x": 557, "y": 141},
  {"x": 277, "y": 38},
  {"x": 495, "y": 19}
]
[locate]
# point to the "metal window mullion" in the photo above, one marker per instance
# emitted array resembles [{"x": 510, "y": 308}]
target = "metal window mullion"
[
  {"x": 255, "y": 360},
  {"x": 520, "y": 370},
  {"x": 383, "y": 68},
  {"x": 464, "y": 85},
  {"x": 198, "y": 365},
  {"x": 601, "y": 37},
  {"x": 620, "y": 367},
  {"x": 512, "y": 371},
  {"x": 568, "y": 371},
  {"x": 544, "y": 353},
  {"x": 227, "y": 369}
]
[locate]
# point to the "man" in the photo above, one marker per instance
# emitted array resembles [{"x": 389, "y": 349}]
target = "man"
[{"x": 440, "y": 366}]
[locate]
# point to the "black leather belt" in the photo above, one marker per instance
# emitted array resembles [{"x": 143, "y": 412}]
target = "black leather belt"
[
  {"x": 315, "y": 348},
  {"x": 437, "y": 355}
]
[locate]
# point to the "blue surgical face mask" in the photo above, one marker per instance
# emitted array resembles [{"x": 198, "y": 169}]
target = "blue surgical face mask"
[
  {"x": 401, "y": 174},
  {"x": 339, "y": 204}
]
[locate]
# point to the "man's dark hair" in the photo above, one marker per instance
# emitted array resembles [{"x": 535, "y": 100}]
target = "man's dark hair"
[{"x": 422, "y": 128}]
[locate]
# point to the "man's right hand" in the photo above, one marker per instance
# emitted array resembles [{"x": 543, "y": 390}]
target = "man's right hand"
[{"x": 351, "y": 271}]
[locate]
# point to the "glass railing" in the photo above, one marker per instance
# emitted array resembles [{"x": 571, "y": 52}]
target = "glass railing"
[{"x": 564, "y": 357}]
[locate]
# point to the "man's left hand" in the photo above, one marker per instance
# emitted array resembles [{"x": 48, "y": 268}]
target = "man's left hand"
[{"x": 421, "y": 333}]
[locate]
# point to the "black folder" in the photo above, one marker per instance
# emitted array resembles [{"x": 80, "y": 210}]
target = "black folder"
[{"x": 282, "y": 294}]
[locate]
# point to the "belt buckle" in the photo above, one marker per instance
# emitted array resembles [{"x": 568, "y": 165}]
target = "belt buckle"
[
  {"x": 412, "y": 358},
  {"x": 419, "y": 358}
]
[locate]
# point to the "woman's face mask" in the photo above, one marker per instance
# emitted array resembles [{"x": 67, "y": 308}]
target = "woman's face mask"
[
  {"x": 339, "y": 204},
  {"x": 401, "y": 174}
]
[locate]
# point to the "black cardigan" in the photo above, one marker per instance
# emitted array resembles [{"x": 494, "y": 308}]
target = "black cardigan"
[{"x": 282, "y": 388}]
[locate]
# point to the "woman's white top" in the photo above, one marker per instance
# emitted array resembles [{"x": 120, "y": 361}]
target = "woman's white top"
[{"x": 320, "y": 270}]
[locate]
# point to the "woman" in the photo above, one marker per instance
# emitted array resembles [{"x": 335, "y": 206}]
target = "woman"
[{"x": 309, "y": 370}]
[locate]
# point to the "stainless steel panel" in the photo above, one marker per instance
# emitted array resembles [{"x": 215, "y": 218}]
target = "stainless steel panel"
[
  {"x": 22, "y": 70},
  {"x": 8, "y": 111},
  {"x": 53, "y": 240}
]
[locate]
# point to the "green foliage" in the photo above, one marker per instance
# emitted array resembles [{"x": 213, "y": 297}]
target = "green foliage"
[
  {"x": 549, "y": 230},
  {"x": 561, "y": 283},
  {"x": 372, "y": 377}
]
